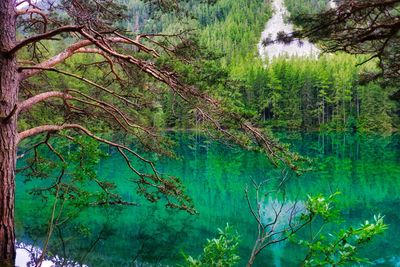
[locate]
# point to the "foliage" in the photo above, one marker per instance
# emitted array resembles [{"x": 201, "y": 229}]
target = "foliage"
[
  {"x": 359, "y": 28},
  {"x": 323, "y": 94},
  {"x": 295, "y": 93},
  {"x": 297, "y": 8},
  {"x": 289, "y": 93},
  {"x": 70, "y": 172},
  {"x": 218, "y": 252},
  {"x": 342, "y": 248},
  {"x": 322, "y": 206},
  {"x": 229, "y": 28},
  {"x": 334, "y": 249}
]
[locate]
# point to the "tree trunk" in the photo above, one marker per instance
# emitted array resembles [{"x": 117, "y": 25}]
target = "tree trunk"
[
  {"x": 253, "y": 255},
  {"x": 251, "y": 260},
  {"x": 8, "y": 131},
  {"x": 7, "y": 175}
]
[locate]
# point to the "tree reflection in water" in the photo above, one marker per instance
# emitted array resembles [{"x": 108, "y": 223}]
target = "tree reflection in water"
[
  {"x": 100, "y": 238},
  {"x": 366, "y": 169}
]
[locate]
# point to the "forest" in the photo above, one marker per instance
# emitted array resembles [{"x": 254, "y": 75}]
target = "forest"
[
  {"x": 157, "y": 133},
  {"x": 294, "y": 94}
]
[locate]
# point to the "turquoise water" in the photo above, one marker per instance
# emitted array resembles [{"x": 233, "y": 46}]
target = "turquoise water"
[{"x": 365, "y": 169}]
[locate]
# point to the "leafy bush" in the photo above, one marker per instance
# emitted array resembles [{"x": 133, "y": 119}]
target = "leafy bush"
[
  {"x": 342, "y": 248},
  {"x": 218, "y": 252}
]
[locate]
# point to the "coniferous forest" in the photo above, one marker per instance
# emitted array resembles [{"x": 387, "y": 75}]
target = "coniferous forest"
[
  {"x": 297, "y": 93},
  {"x": 209, "y": 133}
]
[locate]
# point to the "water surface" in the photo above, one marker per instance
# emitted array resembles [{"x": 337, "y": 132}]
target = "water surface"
[{"x": 365, "y": 169}]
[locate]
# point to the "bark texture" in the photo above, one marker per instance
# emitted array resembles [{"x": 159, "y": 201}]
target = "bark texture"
[{"x": 8, "y": 131}]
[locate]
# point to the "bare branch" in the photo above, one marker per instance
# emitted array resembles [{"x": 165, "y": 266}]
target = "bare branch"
[
  {"x": 281, "y": 226},
  {"x": 124, "y": 99},
  {"x": 54, "y": 60},
  {"x": 78, "y": 48},
  {"x": 103, "y": 54},
  {"x": 46, "y": 35},
  {"x": 41, "y": 97},
  {"x": 35, "y": 11},
  {"x": 44, "y": 129}
]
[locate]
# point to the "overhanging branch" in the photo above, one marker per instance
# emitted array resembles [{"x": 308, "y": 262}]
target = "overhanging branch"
[
  {"x": 46, "y": 35},
  {"x": 41, "y": 97},
  {"x": 78, "y": 47},
  {"x": 38, "y": 12},
  {"x": 169, "y": 187}
]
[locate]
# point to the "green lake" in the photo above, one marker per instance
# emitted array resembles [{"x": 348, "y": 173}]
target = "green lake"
[{"x": 365, "y": 169}]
